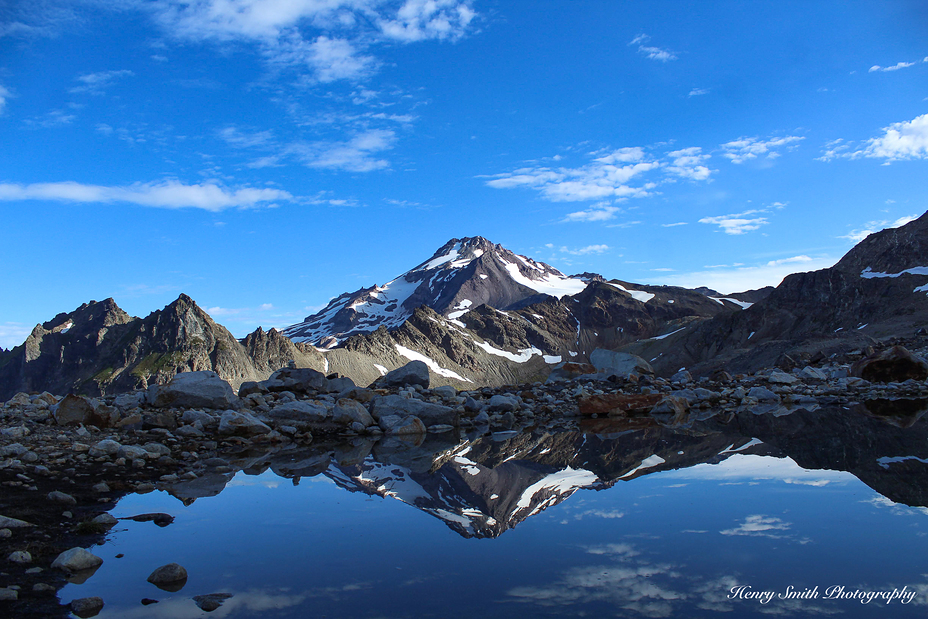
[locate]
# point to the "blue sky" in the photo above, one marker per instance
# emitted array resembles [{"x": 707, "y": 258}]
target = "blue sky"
[{"x": 263, "y": 156}]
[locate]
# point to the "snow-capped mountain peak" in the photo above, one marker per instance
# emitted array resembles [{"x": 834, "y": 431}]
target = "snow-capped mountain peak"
[{"x": 461, "y": 275}]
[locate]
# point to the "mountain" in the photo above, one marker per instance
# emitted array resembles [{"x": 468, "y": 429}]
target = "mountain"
[
  {"x": 879, "y": 289},
  {"x": 98, "y": 348},
  {"x": 462, "y": 274}
]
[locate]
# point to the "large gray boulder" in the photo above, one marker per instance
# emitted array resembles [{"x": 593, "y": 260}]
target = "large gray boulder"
[
  {"x": 348, "y": 411},
  {"x": 195, "y": 390},
  {"x": 430, "y": 414},
  {"x": 75, "y": 560},
  {"x": 241, "y": 424},
  {"x": 299, "y": 414},
  {"x": 399, "y": 425},
  {"x": 297, "y": 380},
  {"x": 619, "y": 363},
  {"x": 413, "y": 373},
  {"x": 72, "y": 410}
]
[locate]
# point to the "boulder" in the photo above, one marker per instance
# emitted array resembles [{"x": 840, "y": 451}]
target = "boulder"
[
  {"x": 893, "y": 365},
  {"x": 682, "y": 377},
  {"x": 504, "y": 403},
  {"x": 299, "y": 414},
  {"x": 429, "y": 414},
  {"x": 210, "y": 601},
  {"x": 87, "y": 607},
  {"x": 399, "y": 425},
  {"x": 241, "y": 424},
  {"x": 337, "y": 385},
  {"x": 671, "y": 411},
  {"x": 204, "y": 419},
  {"x": 569, "y": 370},
  {"x": 618, "y": 404},
  {"x": 72, "y": 410},
  {"x": 106, "y": 447},
  {"x": 348, "y": 411},
  {"x": 132, "y": 452},
  {"x": 413, "y": 373},
  {"x": 203, "y": 389},
  {"x": 762, "y": 394},
  {"x": 249, "y": 386},
  {"x": 814, "y": 374},
  {"x": 298, "y": 380},
  {"x": 75, "y": 560},
  {"x": 780, "y": 377},
  {"x": 171, "y": 577},
  {"x": 63, "y": 498},
  {"x": 619, "y": 363},
  {"x": 445, "y": 392}
]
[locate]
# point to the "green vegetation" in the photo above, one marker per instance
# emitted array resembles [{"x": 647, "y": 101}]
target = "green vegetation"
[
  {"x": 103, "y": 376},
  {"x": 155, "y": 362}
]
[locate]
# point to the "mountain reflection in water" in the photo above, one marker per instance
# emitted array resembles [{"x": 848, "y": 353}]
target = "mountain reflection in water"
[{"x": 680, "y": 518}]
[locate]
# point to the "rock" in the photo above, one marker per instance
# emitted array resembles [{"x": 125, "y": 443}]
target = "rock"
[
  {"x": 504, "y": 403},
  {"x": 87, "y": 607},
  {"x": 13, "y": 523},
  {"x": 249, "y": 386},
  {"x": 203, "y": 389},
  {"x": 132, "y": 452},
  {"x": 159, "y": 419},
  {"x": 337, "y": 385},
  {"x": 682, "y": 377},
  {"x": 8, "y": 595},
  {"x": 75, "y": 560},
  {"x": 72, "y": 410},
  {"x": 105, "y": 519},
  {"x": 100, "y": 488},
  {"x": 429, "y": 414},
  {"x": 13, "y": 449},
  {"x": 349, "y": 411},
  {"x": 810, "y": 373},
  {"x": 106, "y": 447},
  {"x": 618, "y": 403},
  {"x": 241, "y": 424},
  {"x": 445, "y": 392},
  {"x": 193, "y": 416},
  {"x": 211, "y": 601},
  {"x": 400, "y": 425},
  {"x": 413, "y": 373},
  {"x": 893, "y": 365},
  {"x": 482, "y": 418},
  {"x": 300, "y": 414},
  {"x": 569, "y": 370},
  {"x": 471, "y": 405},
  {"x": 16, "y": 432},
  {"x": 20, "y": 556},
  {"x": 361, "y": 394},
  {"x": 62, "y": 498},
  {"x": 170, "y": 574},
  {"x": 128, "y": 401},
  {"x": 781, "y": 378},
  {"x": 298, "y": 380},
  {"x": 619, "y": 363},
  {"x": 103, "y": 416},
  {"x": 762, "y": 394}
]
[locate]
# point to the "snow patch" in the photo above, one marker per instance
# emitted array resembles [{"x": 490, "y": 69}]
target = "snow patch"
[
  {"x": 381, "y": 369},
  {"x": 647, "y": 463},
  {"x": 553, "y": 284},
  {"x": 551, "y": 359},
  {"x": 743, "y": 304},
  {"x": 460, "y": 309},
  {"x": 638, "y": 295},
  {"x": 558, "y": 483},
  {"x": 415, "y": 356},
  {"x": 660, "y": 337},
  {"x": 868, "y": 273},
  {"x": 886, "y": 461},
  {"x": 523, "y": 355}
]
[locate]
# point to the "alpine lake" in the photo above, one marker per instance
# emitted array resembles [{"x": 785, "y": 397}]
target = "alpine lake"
[{"x": 753, "y": 514}]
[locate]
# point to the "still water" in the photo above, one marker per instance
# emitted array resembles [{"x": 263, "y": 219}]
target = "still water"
[{"x": 798, "y": 515}]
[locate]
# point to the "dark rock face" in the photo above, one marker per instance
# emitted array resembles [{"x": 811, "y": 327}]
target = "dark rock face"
[{"x": 893, "y": 365}]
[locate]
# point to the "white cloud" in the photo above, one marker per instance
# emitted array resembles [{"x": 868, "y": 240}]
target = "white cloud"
[
  {"x": 737, "y": 223},
  {"x": 583, "y": 251},
  {"x": 875, "y": 226},
  {"x": 895, "y": 67},
  {"x": 164, "y": 194},
  {"x": 673, "y": 225},
  {"x": 688, "y": 163},
  {"x": 55, "y": 118},
  {"x": 328, "y": 36},
  {"x": 97, "y": 83},
  {"x": 900, "y": 141},
  {"x": 612, "y": 175},
  {"x": 4, "y": 96},
  {"x": 657, "y": 53},
  {"x": 744, "y": 149},
  {"x": 355, "y": 155},
  {"x": 793, "y": 260},
  {"x": 696, "y": 92}
]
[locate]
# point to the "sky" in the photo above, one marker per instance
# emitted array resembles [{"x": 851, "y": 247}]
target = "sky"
[{"x": 264, "y": 156}]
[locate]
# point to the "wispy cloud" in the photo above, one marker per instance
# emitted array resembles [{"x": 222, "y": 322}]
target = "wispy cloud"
[
  {"x": 673, "y": 225},
  {"x": 697, "y": 92},
  {"x": 899, "y": 65},
  {"x": 900, "y": 141},
  {"x": 5, "y": 94},
  {"x": 745, "y": 149},
  {"x": 737, "y": 223},
  {"x": 328, "y": 37},
  {"x": 55, "y": 118},
  {"x": 13, "y": 334},
  {"x": 870, "y": 227},
  {"x": 581, "y": 251},
  {"x": 739, "y": 277},
  {"x": 97, "y": 83},
  {"x": 165, "y": 194},
  {"x": 651, "y": 52},
  {"x": 612, "y": 176},
  {"x": 760, "y": 526}
]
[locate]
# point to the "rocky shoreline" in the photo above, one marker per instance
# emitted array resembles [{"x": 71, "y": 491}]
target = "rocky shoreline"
[{"x": 65, "y": 461}]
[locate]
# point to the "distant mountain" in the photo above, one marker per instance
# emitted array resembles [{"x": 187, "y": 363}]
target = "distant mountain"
[
  {"x": 98, "y": 348},
  {"x": 877, "y": 290},
  {"x": 462, "y": 275}
]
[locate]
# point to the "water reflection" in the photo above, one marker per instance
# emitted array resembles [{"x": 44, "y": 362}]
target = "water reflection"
[{"x": 661, "y": 522}]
